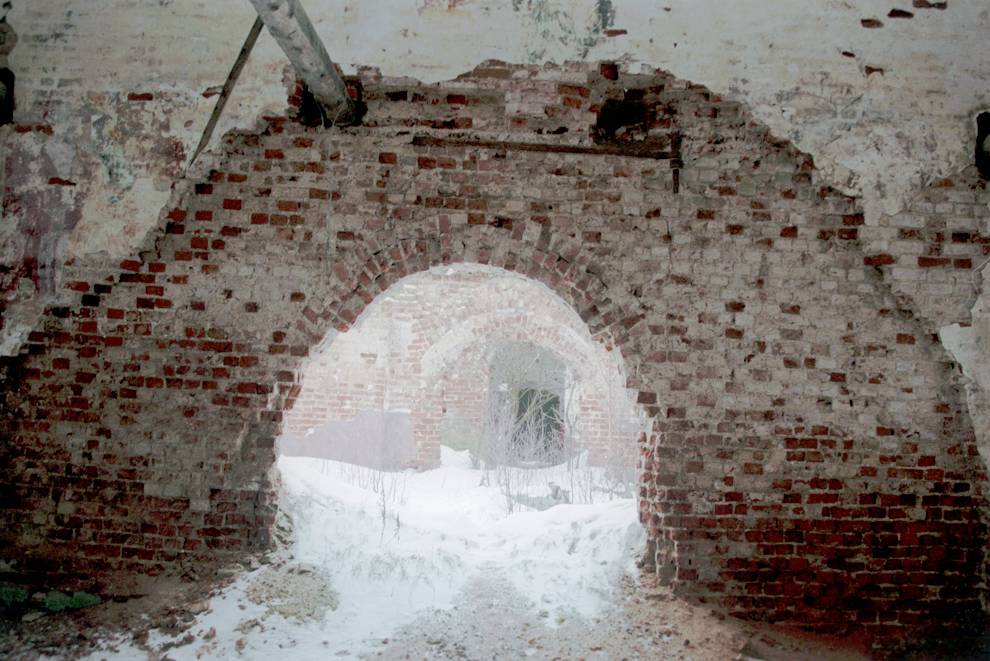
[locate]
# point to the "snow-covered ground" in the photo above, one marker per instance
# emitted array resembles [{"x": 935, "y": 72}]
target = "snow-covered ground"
[{"x": 374, "y": 551}]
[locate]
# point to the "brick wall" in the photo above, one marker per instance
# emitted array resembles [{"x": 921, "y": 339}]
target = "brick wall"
[
  {"x": 812, "y": 459},
  {"x": 354, "y": 369},
  {"x": 930, "y": 252}
]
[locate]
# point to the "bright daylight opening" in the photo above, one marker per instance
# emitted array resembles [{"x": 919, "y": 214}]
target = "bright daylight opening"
[{"x": 466, "y": 446}]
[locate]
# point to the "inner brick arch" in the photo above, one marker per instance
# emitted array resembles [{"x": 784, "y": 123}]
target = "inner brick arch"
[
  {"x": 600, "y": 370},
  {"x": 607, "y": 423},
  {"x": 480, "y": 328},
  {"x": 551, "y": 258},
  {"x": 489, "y": 304}
]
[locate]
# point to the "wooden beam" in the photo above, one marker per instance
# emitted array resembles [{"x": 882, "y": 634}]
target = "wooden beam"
[
  {"x": 288, "y": 23},
  {"x": 228, "y": 87},
  {"x": 632, "y": 149}
]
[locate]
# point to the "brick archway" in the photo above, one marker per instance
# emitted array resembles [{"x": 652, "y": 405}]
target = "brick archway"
[
  {"x": 411, "y": 350},
  {"x": 386, "y": 266},
  {"x": 512, "y": 326},
  {"x": 812, "y": 448}
]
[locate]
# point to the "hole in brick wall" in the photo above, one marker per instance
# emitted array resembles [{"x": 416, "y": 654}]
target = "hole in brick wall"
[
  {"x": 466, "y": 430},
  {"x": 618, "y": 115},
  {"x": 983, "y": 144},
  {"x": 311, "y": 112},
  {"x": 7, "y": 41}
]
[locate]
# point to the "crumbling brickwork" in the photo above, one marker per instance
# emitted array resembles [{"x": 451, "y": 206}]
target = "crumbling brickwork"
[
  {"x": 812, "y": 458},
  {"x": 931, "y": 252}
]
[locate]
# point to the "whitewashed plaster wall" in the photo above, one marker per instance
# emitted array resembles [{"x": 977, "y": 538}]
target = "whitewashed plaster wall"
[
  {"x": 880, "y": 134},
  {"x": 883, "y": 110}
]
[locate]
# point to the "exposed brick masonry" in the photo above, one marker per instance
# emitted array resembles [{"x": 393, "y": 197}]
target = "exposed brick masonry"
[{"x": 812, "y": 459}]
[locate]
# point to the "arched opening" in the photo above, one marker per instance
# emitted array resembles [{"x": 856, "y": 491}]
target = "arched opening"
[{"x": 467, "y": 435}]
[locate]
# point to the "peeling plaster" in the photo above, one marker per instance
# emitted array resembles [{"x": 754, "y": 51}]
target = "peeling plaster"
[
  {"x": 881, "y": 135},
  {"x": 970, "y": 346},
  {"x": 883, "y": 111}
]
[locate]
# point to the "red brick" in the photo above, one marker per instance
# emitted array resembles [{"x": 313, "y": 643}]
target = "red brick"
[{"x": 879, "y": 260}]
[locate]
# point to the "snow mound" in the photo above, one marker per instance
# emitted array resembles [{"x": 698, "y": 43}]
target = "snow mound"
[
  {"x": 396, "y": 545},
  {"x": 455, "y": 458}
]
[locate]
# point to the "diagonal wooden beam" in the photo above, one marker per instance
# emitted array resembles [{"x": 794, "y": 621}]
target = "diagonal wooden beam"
[
  {"x": 228, "y": 87},
  {"x": 288, "y": 23}
]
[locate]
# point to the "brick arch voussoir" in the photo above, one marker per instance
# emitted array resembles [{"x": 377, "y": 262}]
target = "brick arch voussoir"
[
  {"x": 359, "y": 281},
  {"x": 484, "y": 327}
]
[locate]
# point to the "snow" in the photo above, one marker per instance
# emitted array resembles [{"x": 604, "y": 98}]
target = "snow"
[{"x": 386, "y": 548}]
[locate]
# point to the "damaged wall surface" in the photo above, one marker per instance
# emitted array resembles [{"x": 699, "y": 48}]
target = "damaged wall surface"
[
  {"x": 812, "y": 458},
  {"x": 881, "y": 93}
]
